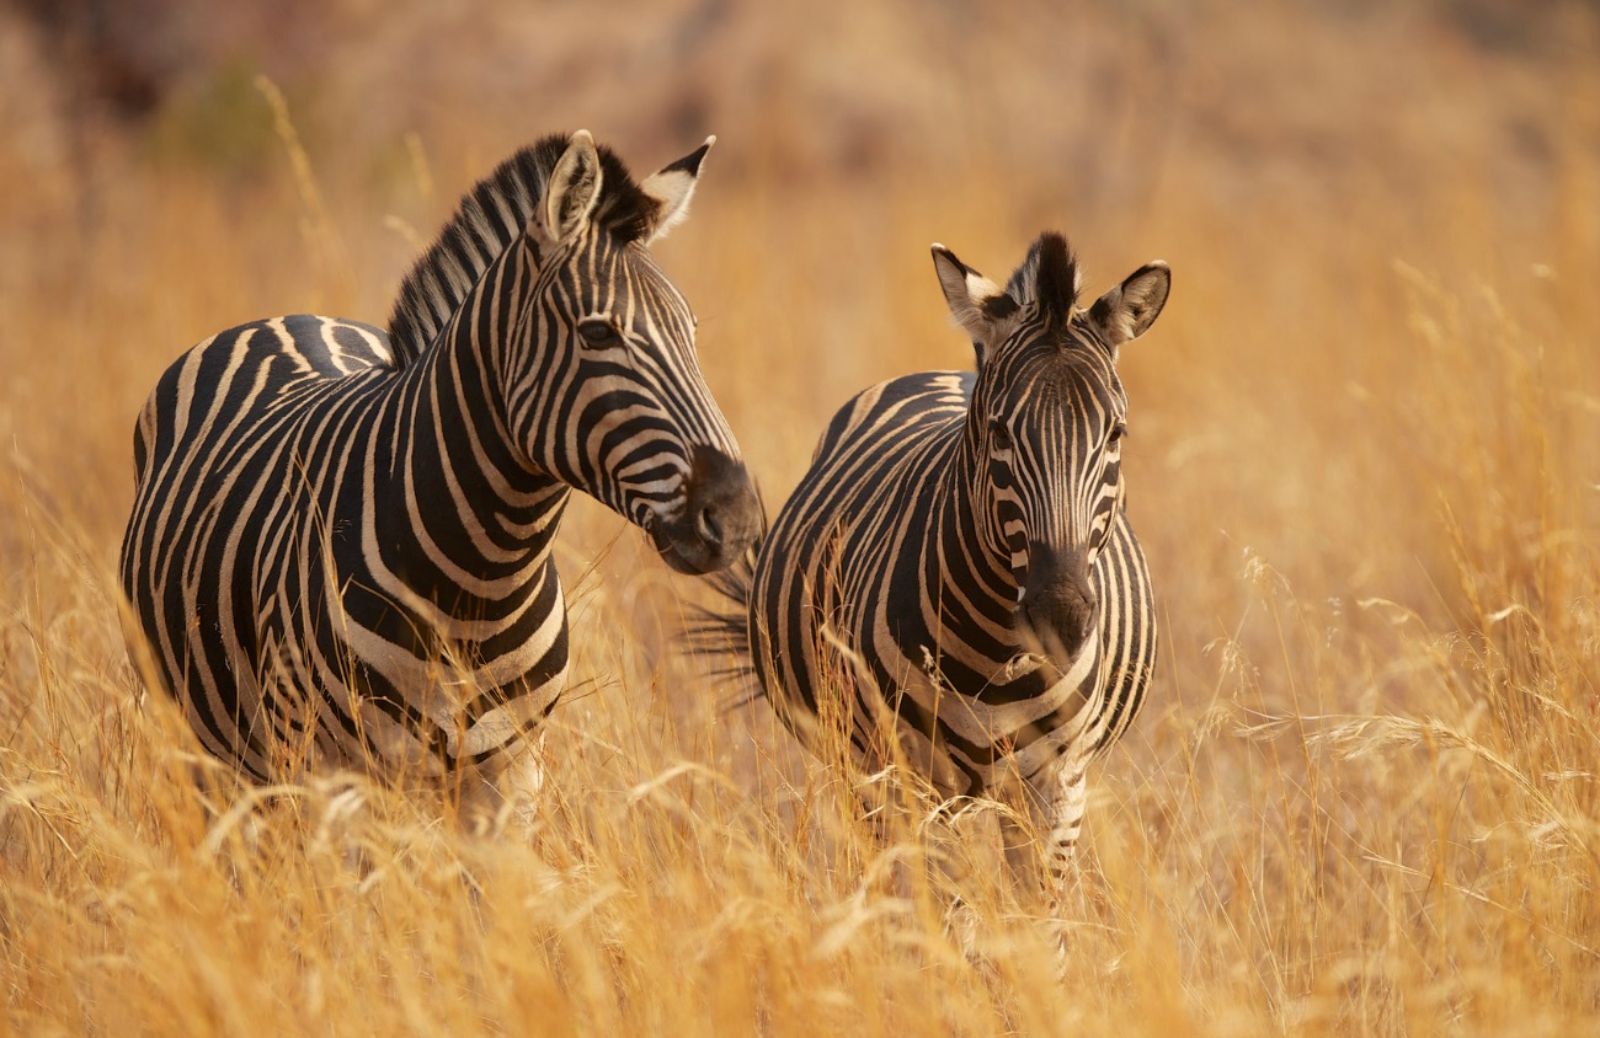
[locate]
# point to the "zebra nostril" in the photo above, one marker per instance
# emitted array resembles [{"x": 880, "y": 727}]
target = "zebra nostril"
[
  {"x": 1067, "y": 618},
  {"x": 706, "y": 525}
]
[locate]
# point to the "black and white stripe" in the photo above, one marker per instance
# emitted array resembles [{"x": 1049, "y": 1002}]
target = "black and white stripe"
[
  {"x": 340, "y": 546},
  {"x": 958, "y": 556}
]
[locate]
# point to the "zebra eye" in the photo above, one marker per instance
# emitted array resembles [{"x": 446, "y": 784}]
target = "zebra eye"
[
  {"x": 1118, "y": 431},
  {"x": 999, "y": 435},
  {"x": 599, "y": 333}
]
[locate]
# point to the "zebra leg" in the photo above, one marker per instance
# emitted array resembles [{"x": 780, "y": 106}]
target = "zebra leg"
[
  {"x": 1017, "y": 837},
  {"x": 521, "y": 782},
  {"x": 1061, "y": 848},
  {"x": 1059, "y": 796},
  {"x": 1043, "y": 858},
  {"x": 1066, "y": 807},
  {"x": 508, "y": 790},
  {"x": 881, "y": 816}
]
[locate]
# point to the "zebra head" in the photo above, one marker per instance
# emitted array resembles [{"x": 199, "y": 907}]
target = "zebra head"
[
  {"x": 1045, "y": 431},
  {"x": 604, "y": 391}
]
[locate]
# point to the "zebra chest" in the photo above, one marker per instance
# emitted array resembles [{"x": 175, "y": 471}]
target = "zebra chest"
[
  {"x": 966, "y": 680},
  {"x": 384, "y": 606}
]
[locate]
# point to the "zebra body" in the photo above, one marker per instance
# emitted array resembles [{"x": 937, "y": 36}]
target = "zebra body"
[
  {"x": 882, "y": 531},
  {"x": 957, "y": 558},
  {"x": 340, "y": 546}
]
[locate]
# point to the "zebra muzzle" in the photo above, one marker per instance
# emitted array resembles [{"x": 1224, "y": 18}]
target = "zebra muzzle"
[
  {"x": 719, "y": 520},
  {"x": 1059, "y": 611}
]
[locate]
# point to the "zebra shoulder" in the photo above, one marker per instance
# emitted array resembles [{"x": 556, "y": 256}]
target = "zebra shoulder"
[{"x": 894, "y": 404}]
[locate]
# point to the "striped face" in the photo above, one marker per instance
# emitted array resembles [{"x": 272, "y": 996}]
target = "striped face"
[
  {"x": 1045, "y": 426},
  {"x": 607, "y": 396},
  {"x": 1048, "y": 414}
]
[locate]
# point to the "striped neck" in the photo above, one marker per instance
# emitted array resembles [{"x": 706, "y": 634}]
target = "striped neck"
[{"x": 458, "y": 484}]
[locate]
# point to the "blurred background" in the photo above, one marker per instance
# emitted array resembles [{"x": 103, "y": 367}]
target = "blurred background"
[
  {"x": 1363, "y": 434},
  {"x": 1310, "y": 171}
]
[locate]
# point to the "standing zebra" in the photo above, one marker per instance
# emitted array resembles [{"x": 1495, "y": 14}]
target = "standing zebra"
[
  {"x": 957, "y": 556},
  {"x": 340, "y": 546}
]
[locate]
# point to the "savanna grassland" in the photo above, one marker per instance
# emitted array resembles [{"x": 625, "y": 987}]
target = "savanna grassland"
[{"x": 1364, "y": 460}]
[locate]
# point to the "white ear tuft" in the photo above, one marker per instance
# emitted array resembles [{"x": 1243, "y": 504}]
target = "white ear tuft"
[
  {"x": 573, "y": 188},
  {"x": 672, "y": 187}
]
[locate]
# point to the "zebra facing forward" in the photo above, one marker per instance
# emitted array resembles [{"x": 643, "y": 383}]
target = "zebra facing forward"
[
  {"x": 340, "y": 546},
  {"x": 957, "y": 556}
]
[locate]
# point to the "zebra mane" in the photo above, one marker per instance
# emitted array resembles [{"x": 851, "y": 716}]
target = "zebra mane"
[
  {"x": 490, "y": 217},
  {"x": 1049, "y": 275}
]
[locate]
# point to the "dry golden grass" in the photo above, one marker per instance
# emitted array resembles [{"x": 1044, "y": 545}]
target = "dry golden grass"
[{"x": 1362, "y": 797}]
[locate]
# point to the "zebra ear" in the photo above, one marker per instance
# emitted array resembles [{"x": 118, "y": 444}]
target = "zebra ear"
[
  {"x": 1127, "y": 311},
  {"x": 573, "y": 188},
  {"x": 672, "y": 187},
  {"x": 978, "y": 305}
]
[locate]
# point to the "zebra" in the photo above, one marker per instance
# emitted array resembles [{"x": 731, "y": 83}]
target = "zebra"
[
  {"x": 339, "y": 552},
  {"x": 957, "y": 559}
]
